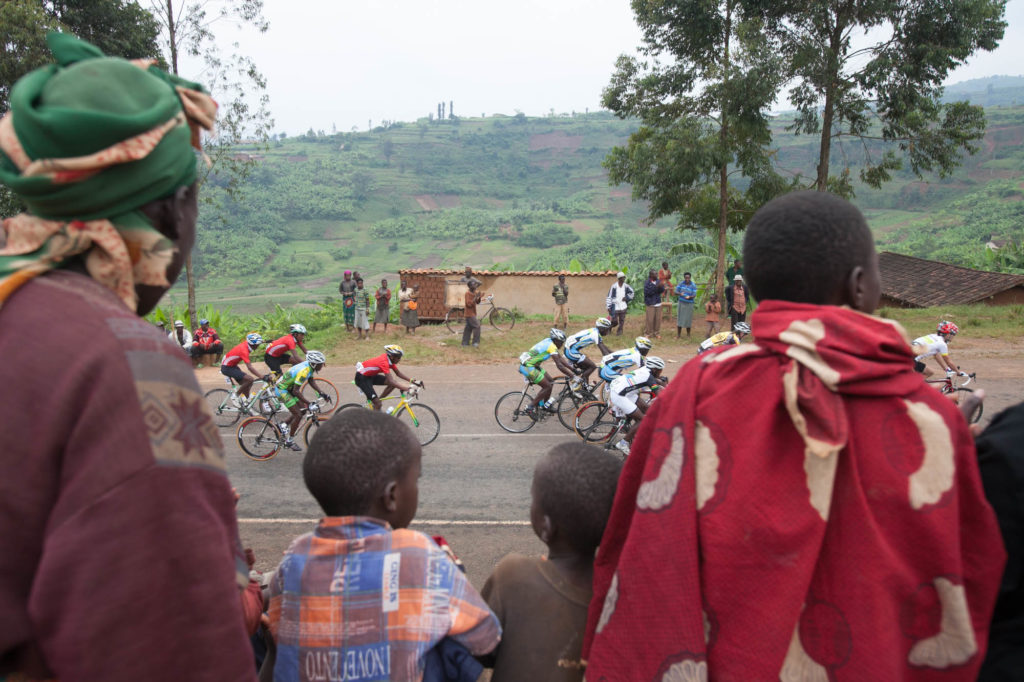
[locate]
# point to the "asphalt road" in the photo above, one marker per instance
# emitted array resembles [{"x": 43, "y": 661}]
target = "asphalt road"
[{"x": 475, "y": 488}]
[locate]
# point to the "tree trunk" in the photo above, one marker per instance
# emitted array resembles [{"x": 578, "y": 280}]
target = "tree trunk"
[
  {"x": 828, "y": 113},
  {"x": 723, "y": 174}
]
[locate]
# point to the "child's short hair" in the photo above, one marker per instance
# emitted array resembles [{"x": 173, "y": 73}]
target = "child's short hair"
[
  {"x": 801, "y": 247},
  {"x": 353, "y": 455},
  {"x": 575, "y": 486}
]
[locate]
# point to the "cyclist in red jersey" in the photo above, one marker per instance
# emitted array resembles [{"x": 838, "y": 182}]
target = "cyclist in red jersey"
[
  {"x": 378, "y": 372},
  {"x": 282, "y": 351},
  {"x": 229, "y": 367}
]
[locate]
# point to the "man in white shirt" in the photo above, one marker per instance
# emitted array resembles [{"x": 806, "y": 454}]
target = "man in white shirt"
[{"x": 617, "y": 302}]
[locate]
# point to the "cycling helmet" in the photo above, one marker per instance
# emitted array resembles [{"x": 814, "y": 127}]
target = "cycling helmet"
[
  {"x": 203, "y": 321},
  {"x": 179, "y": 323},
  {"x": 603, "y": 323},
  {"x": 654, "y": 362},
  {"x": 394, "y": 352},
  {"x": 297, "y": 329},
  {"x": 557, "y": 334},
  {"x": 741, "y": 328},
  {"x": 315, "y": 357},
  {"x": 254, "y": 339},
  {"x": 946, "y": 327},
  {"x": 643, "y": 344}
]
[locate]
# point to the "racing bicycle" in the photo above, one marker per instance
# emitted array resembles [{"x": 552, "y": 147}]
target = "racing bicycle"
[
  {"x": 510, "y": 410},
  {"x": 422, "y": 419},
  {"x": 262, "y": 400},
  {"x": 500, "y": 318},
  {"x": 956, "y": 385},
  {"x": 261, "y": 438}
]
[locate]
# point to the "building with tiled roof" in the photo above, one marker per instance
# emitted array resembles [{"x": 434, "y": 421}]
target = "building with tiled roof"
[{"x": 909, "y": 282}]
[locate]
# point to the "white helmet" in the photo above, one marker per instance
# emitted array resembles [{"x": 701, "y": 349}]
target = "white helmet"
[
  {"x": 741, "y": 328},
  {"x": 557, "y": 334},
  {"x": 603, "y": 323},
  {"x": 179, "y": 324},
  {"x": 297, "y": 329},
  {"x": 315, "y": 357},
  {"x": 654, "y": 362},
  {"x": 643, "y": 343}
]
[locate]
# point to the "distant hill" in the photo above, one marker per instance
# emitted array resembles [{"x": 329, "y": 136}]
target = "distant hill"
[
  {"x": 994, "y": 91},
  {"x": 521, "y": 192}
]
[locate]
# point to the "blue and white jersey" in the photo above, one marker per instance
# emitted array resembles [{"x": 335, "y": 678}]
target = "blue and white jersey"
[
  {"x": 575, "y": 344},
  {"x": 619, "y": 362}
]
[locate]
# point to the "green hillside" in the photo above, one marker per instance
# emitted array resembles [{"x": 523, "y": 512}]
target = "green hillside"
[{"x": 519, "y": 192}]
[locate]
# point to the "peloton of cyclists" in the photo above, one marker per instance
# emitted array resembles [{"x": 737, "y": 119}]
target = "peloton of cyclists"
[
  {"x": 289, "y": 392},
  {"x": 377, "y": 371},
  {"x": 733, "y": 338},
  {"x": 936, "y": 345},
  {"x": 624, "y": 395},
  {"x": 574, "y": 345},
  {"x": 530, "y": 367},
  {"x": 625, "y": 360},
  {"x": 282, "y": 351}
]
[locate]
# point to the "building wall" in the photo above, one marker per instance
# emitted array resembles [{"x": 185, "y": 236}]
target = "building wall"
[
  {"x": 529, "y": 294},
  {"x": 1014, "y": 296}
]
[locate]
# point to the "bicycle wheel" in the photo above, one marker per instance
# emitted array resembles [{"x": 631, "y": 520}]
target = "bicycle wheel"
[
  {"x": 225, "y": 413},
  {"x": 259, "y": 438},
  {"x": 502, "y": 319},
  {"x": 422, "y": 420},
  {"x": 327, "y": 404},
  {"x": 569, "y": 404},
  {"x": 311, "y": 426},
  {"x": 595, "y": 422},
  {"x": 510, "y": 413},
  {"x": 976, "y": 413},
  {"x": 454, "y": 319},
  {"x": 348, "y": 406}
]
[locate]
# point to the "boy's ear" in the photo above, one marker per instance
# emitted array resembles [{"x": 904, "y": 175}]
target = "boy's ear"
[
  {"x": 856, "y": 290},
  {"x": 547, "y": 530},
  {"x": 390, "y": 496}
]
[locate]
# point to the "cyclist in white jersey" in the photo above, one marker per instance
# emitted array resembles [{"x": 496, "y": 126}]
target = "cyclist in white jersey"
[
  {"x": 624, "y": 395},
  {"x": 574, "y": 345},
  {"x": 935, "y": 345}
]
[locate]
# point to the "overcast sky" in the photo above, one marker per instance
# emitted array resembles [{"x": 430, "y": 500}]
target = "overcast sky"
[{"x": 345, "y": 63}]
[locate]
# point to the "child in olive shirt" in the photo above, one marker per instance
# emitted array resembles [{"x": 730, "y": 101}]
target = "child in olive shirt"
[{"x": 542, "y": 602}]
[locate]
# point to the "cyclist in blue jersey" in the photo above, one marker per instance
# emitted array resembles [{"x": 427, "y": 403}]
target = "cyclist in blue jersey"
[
  {"x": 530, "y": 368},
  {"x": 289, "y": 392},
  {"x": 575, "y": 344},
  {"x": 625, "y": 360}
]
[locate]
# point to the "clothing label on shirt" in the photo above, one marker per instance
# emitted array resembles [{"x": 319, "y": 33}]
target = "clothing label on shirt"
[
  {"x": 372, "y": 662},
  {"x": 389, "y": 581}
]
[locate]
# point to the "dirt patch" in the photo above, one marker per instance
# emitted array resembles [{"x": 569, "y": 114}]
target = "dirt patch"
[
  {"x": 435, "y": 202},
  {"x": 431, "y": 262},
  {"x": 426, "y": 202},
  {"x": 555, "y": 141},
  {"x": 314, "y": 283}
]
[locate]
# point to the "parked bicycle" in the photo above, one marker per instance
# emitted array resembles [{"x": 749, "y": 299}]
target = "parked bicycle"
[
  {"x": 500, "y": 318},
  {"x": 510, "y": 410},
  {"x": 228, "y": 406},
  {"x": 956, "y": 385},
  {"x": 420, "y": 417},
  {"x": 261, "y": 438}
]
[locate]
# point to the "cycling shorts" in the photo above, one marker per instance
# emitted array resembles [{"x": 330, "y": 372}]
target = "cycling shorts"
[
  {"x": 234, "y": 372},
  {"x": 366, "y": 383},
  {"x": 919, "y": 366},
  {"x": 532, "y": 374},
  {"x": 624, "y": 405},
  {"x": 275, "y": 363},
  {"x": 286, "y": 397}
]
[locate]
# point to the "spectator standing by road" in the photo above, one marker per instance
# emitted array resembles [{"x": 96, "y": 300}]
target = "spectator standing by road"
[
  {"x": 736, "y": 300},
  {"x": 653, "y": 289},
  {"x": 687, "y": 293},
  {"x": 736, "y": 269},
  {"x": 347, "y": 289},
  {"x": 617, "y": 302},
  {"x": 472, "y": 328},
  {"x": 407, "y": 296},
  {"x": 117, "y": 528},
  {"x": 665, "y": 277},
  {"x": 383, "y": 312},
  {"x": 362, "y": 307},
  {"x": 712, "y": 312},
  {"x": 560, "y": 292}
]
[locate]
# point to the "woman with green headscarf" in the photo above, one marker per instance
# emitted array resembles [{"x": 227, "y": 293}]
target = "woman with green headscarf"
[{"x": 118, "y": 540}]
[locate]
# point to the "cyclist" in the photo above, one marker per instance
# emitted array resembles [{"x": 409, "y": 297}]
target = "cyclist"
[
  {"x": 739, "y": 330},
  {"x": 377, "y": 371},
  {"x": 282, "y": 351},
  {"x": 289, "y": 392},
  {"x": 936, "y": 345},
  {"x": 624, "y": 395},
  {"x": 621, "y": 361},
  {"x": 229, "y": 366},
  {"x": 575, "y": 344},
  {"x": 530, "y": 368}
]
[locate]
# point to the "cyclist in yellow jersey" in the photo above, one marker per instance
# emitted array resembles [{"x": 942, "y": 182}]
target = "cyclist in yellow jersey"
[
  {"x": 289, "y": 392},
  {"x": 733, "y": 338}
]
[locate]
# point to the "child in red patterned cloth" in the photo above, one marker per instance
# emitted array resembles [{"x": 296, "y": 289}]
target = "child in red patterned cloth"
[
  {"x": 542, "y": 602},
  {"x": 803, "y": 507},
  {"x": 362, "y": 596}
]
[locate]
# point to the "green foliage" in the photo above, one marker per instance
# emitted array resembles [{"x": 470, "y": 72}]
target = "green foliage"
[{"x": 546, "y": 235}]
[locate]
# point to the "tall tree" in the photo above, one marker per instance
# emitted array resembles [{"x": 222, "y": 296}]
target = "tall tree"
[
  {"x": 188, "y": 32},
  {"x": 705, "y": 77},
  {"x": 118, "y": 27},
  {"x": 872, "y": 71}
]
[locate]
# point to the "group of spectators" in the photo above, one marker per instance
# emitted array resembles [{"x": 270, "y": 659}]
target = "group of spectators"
[
  {"x": 356, "y": 304},
  {"x": 202, "y": 342}
]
